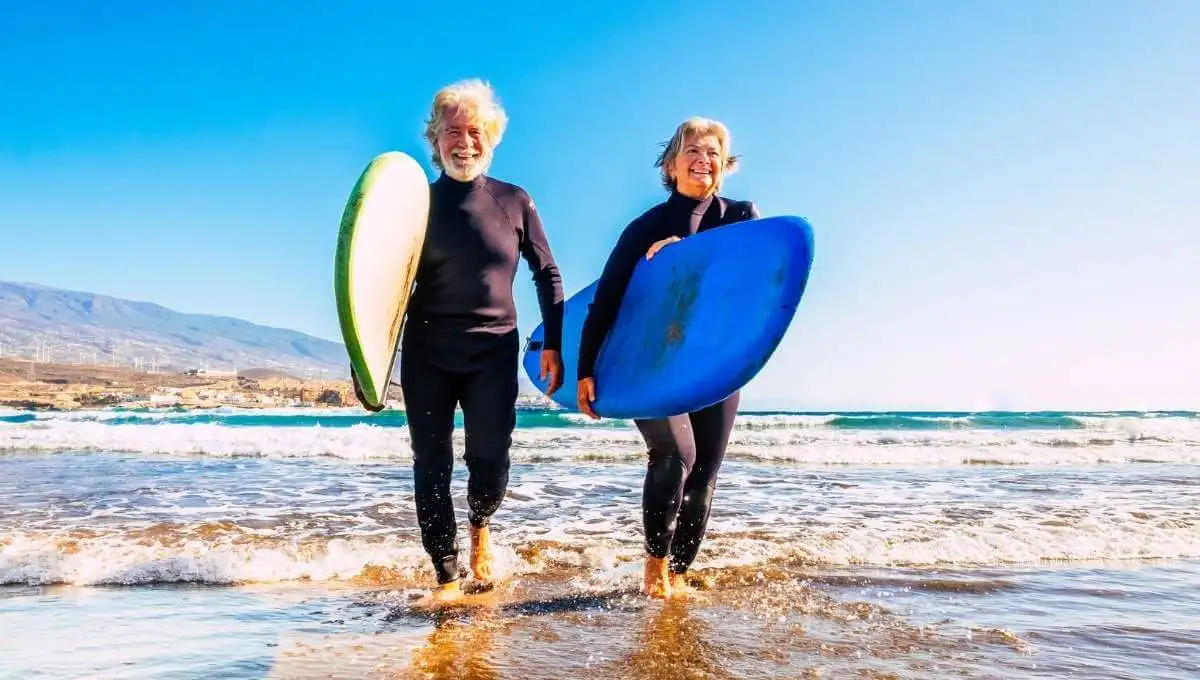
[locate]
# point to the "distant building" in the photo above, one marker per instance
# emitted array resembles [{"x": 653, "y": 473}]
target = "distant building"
[
  {"x": 164, "y": 399},
  {"x": 330, "y": 398},
  {"x": 209, "y": 373}
]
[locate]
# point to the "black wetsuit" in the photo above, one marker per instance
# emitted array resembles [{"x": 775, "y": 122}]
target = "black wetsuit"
[
  {"x": 686, "y": 450},
  {"x": 460, "y": 347}
]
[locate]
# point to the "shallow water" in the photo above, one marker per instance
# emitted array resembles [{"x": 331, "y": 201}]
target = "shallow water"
[
  {"x": 781, "y": 621},
  {"x": 170, "y": 545}
]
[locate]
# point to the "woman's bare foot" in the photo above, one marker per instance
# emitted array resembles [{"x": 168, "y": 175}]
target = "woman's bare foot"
[
  {"x": 481, "y": 553},
  {"x": 681, "y": 588},
  {"x": 657, "y": 582},
  {"x": 447, "y": 593}
]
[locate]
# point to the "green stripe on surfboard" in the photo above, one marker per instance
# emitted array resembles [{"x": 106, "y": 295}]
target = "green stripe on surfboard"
[{"x": 375, "y": 264}]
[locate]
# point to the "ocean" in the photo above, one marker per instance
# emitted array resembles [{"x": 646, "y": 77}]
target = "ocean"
[{"x": 283, "y": 544}]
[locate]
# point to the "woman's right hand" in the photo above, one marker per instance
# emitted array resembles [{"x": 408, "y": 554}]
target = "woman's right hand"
[{"x": 586, "y": 394}]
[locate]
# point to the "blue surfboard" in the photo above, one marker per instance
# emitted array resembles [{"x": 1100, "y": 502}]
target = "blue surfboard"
[{"x": 697, "y": 322}]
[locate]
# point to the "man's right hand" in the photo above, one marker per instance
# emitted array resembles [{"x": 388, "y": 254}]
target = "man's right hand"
[{"x": 586, "y": 394}]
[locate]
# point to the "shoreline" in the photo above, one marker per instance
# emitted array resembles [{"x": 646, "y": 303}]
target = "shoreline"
[
  {"x": 36, "y": 386},
  {"x": 56, "y": 387}
]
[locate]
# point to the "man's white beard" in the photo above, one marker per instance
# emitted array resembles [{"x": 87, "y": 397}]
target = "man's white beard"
[{"x": 469, "y": 173}]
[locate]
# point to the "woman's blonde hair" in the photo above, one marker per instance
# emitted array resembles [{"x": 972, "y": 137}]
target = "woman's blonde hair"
[
  {"x": 479, "y": 98},
  {"x": 696, "y": 127}
]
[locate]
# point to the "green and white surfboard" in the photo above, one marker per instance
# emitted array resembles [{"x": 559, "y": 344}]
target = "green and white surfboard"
[{"x": 375, "y": 266}]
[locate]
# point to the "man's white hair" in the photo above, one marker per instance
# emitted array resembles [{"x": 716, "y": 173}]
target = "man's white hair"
[{"x": 479, "y": 99}]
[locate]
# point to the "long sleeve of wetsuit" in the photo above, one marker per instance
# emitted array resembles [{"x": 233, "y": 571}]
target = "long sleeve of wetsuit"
[
  {"x": 535, "y": 248},
  {"x": 610, "y": 290}
]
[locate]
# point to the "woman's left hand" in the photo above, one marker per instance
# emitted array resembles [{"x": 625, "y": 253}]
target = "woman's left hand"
[{"x": 551, "y": 365}]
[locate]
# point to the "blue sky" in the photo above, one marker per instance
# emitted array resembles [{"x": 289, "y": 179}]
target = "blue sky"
[{"x": 1004, "y": 194}]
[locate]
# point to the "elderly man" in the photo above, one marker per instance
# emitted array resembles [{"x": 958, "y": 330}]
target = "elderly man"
[{"x": 460, "y": 344}]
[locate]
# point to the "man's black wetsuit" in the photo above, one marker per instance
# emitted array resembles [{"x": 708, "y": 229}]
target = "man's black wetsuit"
[
  {"x": 686, "y": 450},
  {"x": 460, "y": 346}
]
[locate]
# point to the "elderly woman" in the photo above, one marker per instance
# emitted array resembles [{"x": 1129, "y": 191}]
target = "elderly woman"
[
  {"x": 685, "y": 450},
  {"x": 460, "y": 344}
]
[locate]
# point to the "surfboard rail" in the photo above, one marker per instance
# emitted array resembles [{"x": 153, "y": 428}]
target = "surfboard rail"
[{"x": 378, "y": 250}]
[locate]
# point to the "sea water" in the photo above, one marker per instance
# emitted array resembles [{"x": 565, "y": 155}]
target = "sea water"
[{"x": 256, "y": 544}]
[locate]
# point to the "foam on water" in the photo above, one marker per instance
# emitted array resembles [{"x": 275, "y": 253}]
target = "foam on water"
[
  {"x": 542, "y": 436},
  {"x": 230, "y": 497},
  {"x": 37, "y": 560},
  {"x": 85, "y": 519},
  {"x": 607, "y": 560}
]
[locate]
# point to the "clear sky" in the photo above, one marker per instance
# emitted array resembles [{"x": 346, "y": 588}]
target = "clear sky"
[{"x": 1005, "y": 195}]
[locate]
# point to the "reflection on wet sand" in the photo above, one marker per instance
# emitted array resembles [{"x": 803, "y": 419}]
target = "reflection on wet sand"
[
  {"x": 760, "y": 622},
  {"x": 670, "y": 643},
  {"x": 462, "y": 648}
]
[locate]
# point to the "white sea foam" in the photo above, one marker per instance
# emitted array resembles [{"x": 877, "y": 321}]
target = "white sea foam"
[
  {"x": 282, "y": 522},
  {"x": 114, "y": 558},
  {"x": 1005, "y": 537},
  {"x": 795, "y": 439}
]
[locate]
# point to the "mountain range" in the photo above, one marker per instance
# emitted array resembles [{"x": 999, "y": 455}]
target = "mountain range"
[{"x": 64, "y": 326}]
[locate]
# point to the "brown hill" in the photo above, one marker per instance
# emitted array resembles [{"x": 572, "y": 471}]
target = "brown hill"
[{"x": 26, "y": 384}]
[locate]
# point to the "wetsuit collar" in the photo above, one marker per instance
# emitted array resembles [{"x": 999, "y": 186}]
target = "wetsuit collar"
[
  {"x": 448, "y": 182},
  {"x": 678, "y": 200}
]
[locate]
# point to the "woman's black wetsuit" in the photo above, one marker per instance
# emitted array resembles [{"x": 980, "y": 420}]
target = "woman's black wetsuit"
[{"x": 685, "y": 450}]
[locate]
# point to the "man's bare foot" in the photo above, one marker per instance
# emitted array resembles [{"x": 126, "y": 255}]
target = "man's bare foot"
[
  {"x": 682, "y": 589},
  {"x": 481, "y": 553},
  {"x": 447, "y": 593},
  {"x": 657, "y": 583}
]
